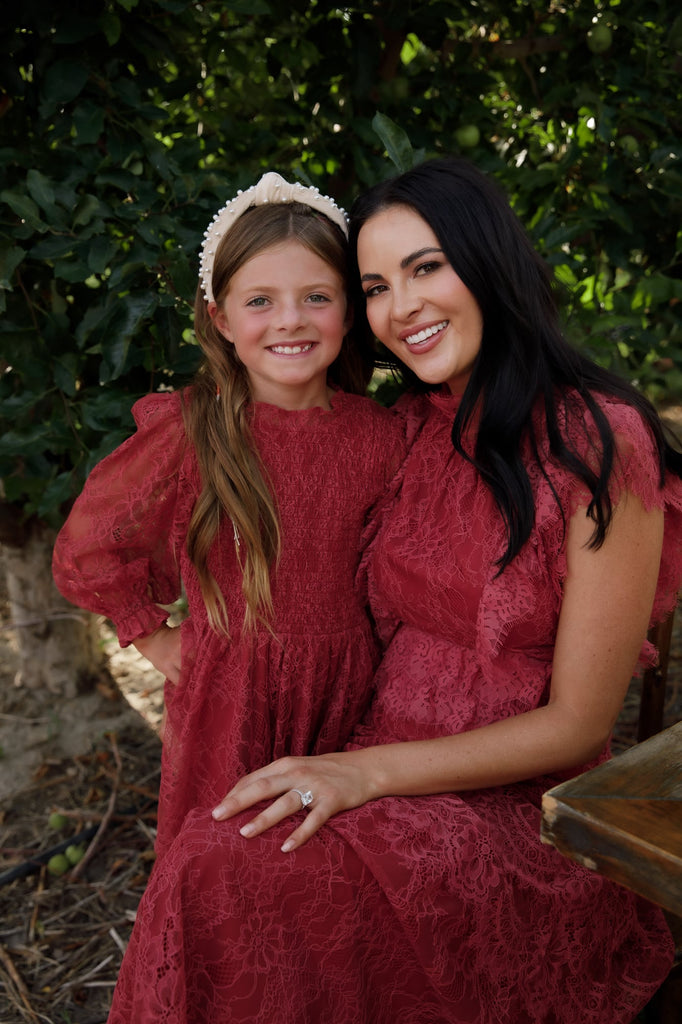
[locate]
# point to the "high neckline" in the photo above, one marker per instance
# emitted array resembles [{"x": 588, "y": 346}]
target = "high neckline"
[
  {"x": 444, "y": 401},
  {"x": 267, "y": 412}
]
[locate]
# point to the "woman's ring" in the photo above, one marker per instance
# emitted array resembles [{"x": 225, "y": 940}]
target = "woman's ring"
[{"x": 306, "y": 798}]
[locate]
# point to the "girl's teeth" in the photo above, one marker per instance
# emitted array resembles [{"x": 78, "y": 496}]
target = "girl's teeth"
[
  {"x": 290, "y": 350},
  {"x": 428, "y": 332}
]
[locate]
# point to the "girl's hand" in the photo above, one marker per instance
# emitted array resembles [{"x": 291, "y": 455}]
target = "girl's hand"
[
  {"x": 162, "y": 648},
  {"x": 337, "y": 782}
]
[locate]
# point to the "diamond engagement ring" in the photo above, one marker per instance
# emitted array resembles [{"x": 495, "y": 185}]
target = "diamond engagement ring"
[{"x": 306, "y": 798}]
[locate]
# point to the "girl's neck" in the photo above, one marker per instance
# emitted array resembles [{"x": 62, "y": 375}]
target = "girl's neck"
[{"x": 295, "y": 399}]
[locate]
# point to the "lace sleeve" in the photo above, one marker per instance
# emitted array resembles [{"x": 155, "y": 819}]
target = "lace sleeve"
[
  {"x": 636, "y": 471},
  {"x": 114, "y": 555}
]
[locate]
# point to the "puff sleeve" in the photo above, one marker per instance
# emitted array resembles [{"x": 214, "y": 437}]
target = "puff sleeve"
[{"x": 117, "y": 554}]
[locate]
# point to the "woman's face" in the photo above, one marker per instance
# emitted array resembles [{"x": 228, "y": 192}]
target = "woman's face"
[{"x": 417, "y": 305}]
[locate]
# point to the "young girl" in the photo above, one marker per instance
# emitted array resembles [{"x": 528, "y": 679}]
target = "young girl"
[{"x": 251, "y": 488}]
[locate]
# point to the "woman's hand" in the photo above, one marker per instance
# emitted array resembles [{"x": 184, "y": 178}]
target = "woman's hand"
[
  {"x": 162, "y": 648},
  {"x": 337, "y": 782}
]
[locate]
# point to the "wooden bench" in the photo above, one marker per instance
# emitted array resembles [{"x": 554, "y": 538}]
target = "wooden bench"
[{"x": 624, "y": 819}]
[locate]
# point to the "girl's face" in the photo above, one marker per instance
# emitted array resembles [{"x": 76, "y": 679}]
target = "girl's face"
[
  {"x": 286, "y": 314},
  {"x": 417, "y": 305}
]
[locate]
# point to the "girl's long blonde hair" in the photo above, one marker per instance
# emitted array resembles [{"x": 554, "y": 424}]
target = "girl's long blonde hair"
[{"x": 234, "y": 483}]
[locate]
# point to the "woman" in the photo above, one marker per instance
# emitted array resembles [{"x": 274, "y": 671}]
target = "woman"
[{"x": 514, "y": 579}]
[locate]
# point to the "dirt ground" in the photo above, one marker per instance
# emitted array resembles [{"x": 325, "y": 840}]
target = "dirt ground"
[{"x": 96, "y": 761}]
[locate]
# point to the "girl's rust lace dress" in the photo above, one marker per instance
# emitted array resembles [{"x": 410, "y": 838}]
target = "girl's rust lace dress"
[{"x": 240, "y": 703}]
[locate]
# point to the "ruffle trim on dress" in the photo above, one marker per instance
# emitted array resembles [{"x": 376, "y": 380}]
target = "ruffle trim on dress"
[{"x": 141, "y": 622}]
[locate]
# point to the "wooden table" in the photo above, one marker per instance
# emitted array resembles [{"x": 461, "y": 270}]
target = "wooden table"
[{"x": 624, "y": 818}]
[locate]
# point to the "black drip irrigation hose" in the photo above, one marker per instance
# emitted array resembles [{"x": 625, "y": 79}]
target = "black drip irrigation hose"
[
  {"x": 34, "y": 864},
  {"x": 29, "y": 867}
]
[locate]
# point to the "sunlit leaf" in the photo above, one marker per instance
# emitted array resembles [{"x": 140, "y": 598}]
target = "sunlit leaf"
[{"x": 396, "y": 141}]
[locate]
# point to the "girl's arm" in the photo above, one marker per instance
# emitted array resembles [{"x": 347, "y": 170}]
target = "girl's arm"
[
  {"x": 114, "y": 555},
  {"x": 608, "y": 595},
  {"x": 163, "y": 649}
]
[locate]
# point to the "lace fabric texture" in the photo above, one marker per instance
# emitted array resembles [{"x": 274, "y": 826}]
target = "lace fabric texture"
[
  {"x": 240, "y": 703},
  {"x": 443, "y": 909}
]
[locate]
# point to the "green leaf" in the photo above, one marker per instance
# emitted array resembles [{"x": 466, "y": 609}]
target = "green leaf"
[
  {"x": 655, "y": 290},
  {"x": 395, "y": 140},
  {"x": 88, "y": 120},
  {"x": 52, "y": 248},
  {"x": 85, "y": 210},
  {"x": 58, "y": 492},
  {"x": 101, "y": 251},
  {"x": 111, "y": 27},
  {"x": 74, "y": 270},
  {"x": 10, "y": 258},
  {"x": 24, "y": 207},
  {"x": 116, "y": 331},
  {"x": 28, "y": 442},
  {"x": 63, "y": 81},
  {"x": 65, "y": 370},
  {"x": 183, "y": 277},
  {"x": 41, "y": 190}
]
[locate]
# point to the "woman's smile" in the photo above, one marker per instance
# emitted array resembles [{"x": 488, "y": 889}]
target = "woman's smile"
[
  {"x": 425, "y": 334},
  {"x": 417, "y": 305}
]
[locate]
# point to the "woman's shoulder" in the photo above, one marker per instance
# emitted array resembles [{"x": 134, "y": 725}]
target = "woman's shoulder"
[{"x": 626, "y": 421}]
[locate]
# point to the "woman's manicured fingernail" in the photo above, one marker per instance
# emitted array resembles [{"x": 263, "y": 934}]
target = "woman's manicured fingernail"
[
  {"x": 217, "y": 811},
  {"x": 289, "y": 845},
  {"x": 247, "y": 830}
]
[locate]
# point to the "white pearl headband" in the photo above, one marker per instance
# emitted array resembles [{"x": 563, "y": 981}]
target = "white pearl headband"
[{"x": 270, "y": 189}]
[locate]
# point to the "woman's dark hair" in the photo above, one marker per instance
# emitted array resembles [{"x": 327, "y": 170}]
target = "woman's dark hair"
[{"x": 524, "y": 357}]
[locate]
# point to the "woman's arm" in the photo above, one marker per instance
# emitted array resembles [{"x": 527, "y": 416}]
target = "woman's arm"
[{"x": 605, "y": 611}]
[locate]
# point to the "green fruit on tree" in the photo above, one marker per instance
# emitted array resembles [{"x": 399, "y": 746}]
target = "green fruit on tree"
[
  {"x": 599, "y": 38},
  {"x": 74, "y": 854},
  {"x": 58, "y": 865},
  {"x": 629, "y": 144},
  {"x": 467, "y": 136},
  {"x": 57, "y": 820}
]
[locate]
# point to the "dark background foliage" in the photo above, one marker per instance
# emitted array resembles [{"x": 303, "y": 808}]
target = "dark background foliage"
[{"x": 124, "y": 125}]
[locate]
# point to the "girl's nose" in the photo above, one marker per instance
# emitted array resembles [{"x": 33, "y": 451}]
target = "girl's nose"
[{"x": 290, "y": 316}]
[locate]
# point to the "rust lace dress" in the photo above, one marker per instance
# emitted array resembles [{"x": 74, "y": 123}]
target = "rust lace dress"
[
  {"x": 440, "y": 909},
  {"x": 240, "y": 703}
]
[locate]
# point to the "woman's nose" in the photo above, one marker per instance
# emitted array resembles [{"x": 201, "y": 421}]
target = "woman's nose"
[{"x": 404, "y": 302}]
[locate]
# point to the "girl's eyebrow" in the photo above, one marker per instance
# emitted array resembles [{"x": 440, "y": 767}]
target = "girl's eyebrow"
[{"x": 405, "y": 262}]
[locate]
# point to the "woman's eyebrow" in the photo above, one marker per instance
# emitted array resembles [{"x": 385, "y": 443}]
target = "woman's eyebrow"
[{"x": 405, "y": 262}]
